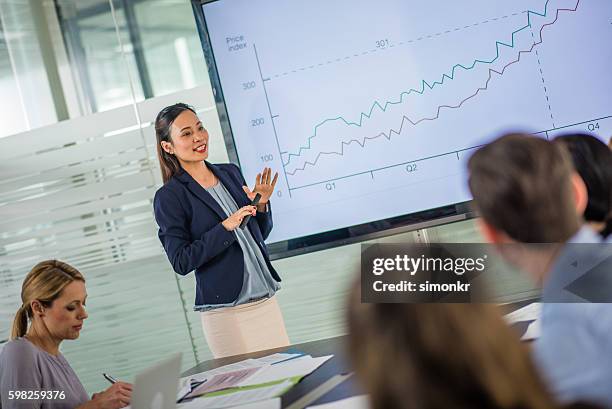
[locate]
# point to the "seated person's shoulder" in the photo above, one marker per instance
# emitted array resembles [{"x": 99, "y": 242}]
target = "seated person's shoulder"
[
  {"x": 577, "y": 310},
  {"x": 18, "y": 350}
]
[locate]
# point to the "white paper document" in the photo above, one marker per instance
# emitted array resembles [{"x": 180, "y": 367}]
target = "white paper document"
[
  {"x": 527, "y": 313},
  {"x": 222, "y": 381},
  {"x": 185, "y": 382},
  {"x": 533, "y": 331},
  {"x": 354, "y": 402},
  {"x": 276, "y": 358},
  {"x": 530, "y": 312},
  {"x": 288, "y": 369},
  {"x": 237, "y": 398}
]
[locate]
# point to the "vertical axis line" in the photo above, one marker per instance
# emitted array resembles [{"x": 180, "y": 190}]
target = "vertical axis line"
[{"x": 263, "y": 83}]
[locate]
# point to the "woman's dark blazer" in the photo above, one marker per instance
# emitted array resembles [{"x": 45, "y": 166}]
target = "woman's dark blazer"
[{"x": 191, "y": 232}]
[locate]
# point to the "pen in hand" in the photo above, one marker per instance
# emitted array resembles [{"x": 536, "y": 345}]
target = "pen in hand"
[{"x": 109, "y": 378}]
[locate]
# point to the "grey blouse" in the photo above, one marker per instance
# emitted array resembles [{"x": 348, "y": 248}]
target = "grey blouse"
[
  {"x": 258, "y": 282},
  {"x": 25, "y": 367}
]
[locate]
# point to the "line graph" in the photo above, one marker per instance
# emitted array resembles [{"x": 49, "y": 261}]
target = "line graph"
[
  {"x": 381, "y": 103},
  {"x": 452, "y": 153},
  {"x": 406, "y": 119},
  {"x": 425, "y": 85}
]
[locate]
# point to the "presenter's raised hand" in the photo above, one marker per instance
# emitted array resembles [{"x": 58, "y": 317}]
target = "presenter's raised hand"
[
  {"x": 264, "y": 185},
  {"x": 235, "y": 219}
]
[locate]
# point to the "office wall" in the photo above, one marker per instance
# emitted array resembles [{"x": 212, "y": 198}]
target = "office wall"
[{"x": 80, "y": 85}]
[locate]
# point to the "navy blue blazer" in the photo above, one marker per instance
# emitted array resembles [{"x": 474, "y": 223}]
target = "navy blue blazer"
[{"x": 191, "y": 232}]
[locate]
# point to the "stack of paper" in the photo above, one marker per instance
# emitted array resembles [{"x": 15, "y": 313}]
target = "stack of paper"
[
  {"x": 247, "y": 363},
  {"x": 221, "y": 381},
  {"x": 267, "y": 396},
  {"x": 252, "y": 380},
  {"x": 294, "y": 368},
  {"x": 186, "y": 383}
]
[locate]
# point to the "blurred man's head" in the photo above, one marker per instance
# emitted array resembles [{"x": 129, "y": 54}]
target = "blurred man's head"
[{"x": 527, "y": 191}]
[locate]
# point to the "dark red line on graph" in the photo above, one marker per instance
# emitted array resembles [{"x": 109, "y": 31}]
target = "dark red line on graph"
[{"x": 406, "y": 119}]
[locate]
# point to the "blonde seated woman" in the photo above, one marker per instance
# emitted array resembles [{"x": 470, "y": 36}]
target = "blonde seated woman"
[{"x": 53, "y": 296}]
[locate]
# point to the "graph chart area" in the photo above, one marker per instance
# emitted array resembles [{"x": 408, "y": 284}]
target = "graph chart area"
[{"x": 369, "y": 110}]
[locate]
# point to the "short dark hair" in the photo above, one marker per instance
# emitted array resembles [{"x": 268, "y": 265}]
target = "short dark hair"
[
  {"x": 521, "y": 185},
  {"x": 169, "y": 164},
  {"x": 593, "y": 161}
]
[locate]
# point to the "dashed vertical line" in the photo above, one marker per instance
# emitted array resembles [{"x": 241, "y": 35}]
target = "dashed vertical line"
[{"x": 550, "y": 111}]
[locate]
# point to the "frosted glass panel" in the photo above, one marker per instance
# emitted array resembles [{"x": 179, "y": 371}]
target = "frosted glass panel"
[{"x": 84, "y": 195}]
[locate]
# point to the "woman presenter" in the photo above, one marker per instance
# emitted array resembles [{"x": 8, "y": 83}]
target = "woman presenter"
[{"x": 199, "y": 211}]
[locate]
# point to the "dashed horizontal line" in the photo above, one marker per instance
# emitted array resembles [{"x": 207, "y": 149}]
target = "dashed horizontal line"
[{"x": 400, "y": 43}]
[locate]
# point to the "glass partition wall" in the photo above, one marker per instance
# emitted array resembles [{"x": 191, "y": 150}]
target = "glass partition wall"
[{"x": 80, "y": 85}]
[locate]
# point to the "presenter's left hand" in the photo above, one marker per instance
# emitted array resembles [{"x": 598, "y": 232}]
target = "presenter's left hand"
[{"x": 264, "y": 185}]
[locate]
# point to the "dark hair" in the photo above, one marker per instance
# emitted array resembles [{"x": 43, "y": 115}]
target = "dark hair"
[
  {"x": 452, "y": 356},
  {"x": 169, "y": 164},
  {"x": 593, "y": 162},
  {"x": 521, "y": 185}
]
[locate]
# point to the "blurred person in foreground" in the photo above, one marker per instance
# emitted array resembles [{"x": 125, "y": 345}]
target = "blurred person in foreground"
[
  {"x": 526, "y": 191},
  {"x": 442, "y": 356}
]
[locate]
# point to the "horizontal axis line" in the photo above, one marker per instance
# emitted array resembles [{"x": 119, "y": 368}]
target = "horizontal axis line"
[
  {"x": 574, "y": 124},
  {"x": 386, "y": 167},
  {"x": 456, "y": 152}
]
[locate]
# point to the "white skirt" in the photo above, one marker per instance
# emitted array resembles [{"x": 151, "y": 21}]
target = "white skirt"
[{"x": 245, "y": 328}]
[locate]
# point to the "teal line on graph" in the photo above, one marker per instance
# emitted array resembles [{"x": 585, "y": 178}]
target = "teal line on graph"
[
  {"x": 423, "y": 85},
  {"x": 406, "y": 119}
]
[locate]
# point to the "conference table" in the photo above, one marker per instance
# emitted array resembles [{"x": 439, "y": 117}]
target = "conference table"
[{"x": 332, "y": 380}]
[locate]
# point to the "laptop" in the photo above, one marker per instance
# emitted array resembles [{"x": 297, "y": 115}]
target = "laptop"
[{"x": 156, "y": 387}]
